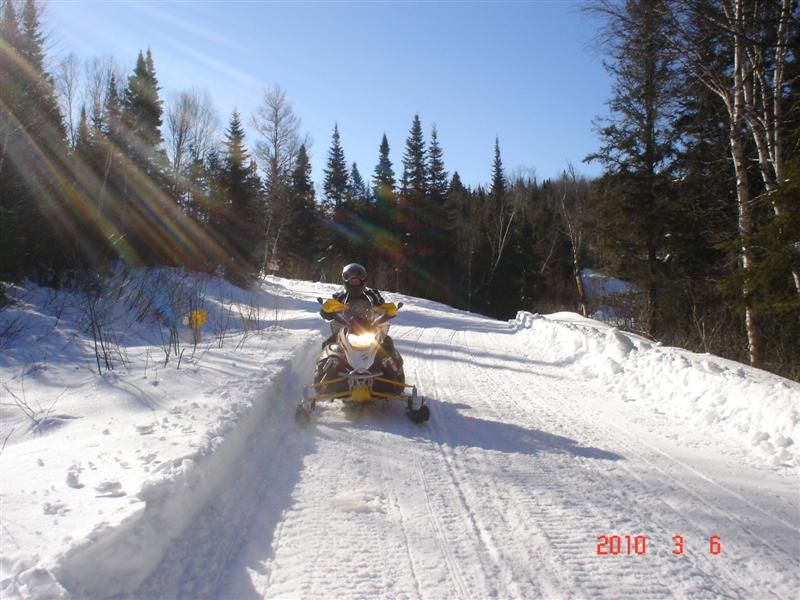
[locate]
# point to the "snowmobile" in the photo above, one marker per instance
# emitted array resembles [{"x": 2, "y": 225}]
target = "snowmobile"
[{"x": 350, "y": 368}]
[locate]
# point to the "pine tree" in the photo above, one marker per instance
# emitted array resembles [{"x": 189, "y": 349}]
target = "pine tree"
[
  {"x": 383, "y": 190},
  {"x": 412, "y": 212},
  {"x": 304, "y": 221},
  {"x": 31, "y": 46},
  {"x": 112, "y": 112},
  {"x": 43, "y": 116},
  {"x": 385, "y": 219},
  {"x": 383, "y": 180},
  {"x": 142, "y": 105},
  {"x": 498, "y": 217},
  {"x": 241, "y": 192},
  {"x": 498, "y": 190},
  {"x": 638, "y": 148},
  {"x": 336, "y": 180},
  {"x": 461, "y": 227},
  {"x": 358, "y": 193},
  {"x": 437, "y": 246},
  {"x": 84, "y": 145},
  {"x": 37, "y": 221},
  {"x": 414, "y": 171},
  {"x": 437, "y": 175}
]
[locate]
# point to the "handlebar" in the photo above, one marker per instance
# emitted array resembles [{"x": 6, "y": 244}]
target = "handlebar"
[{"x": 346, "y": 319}]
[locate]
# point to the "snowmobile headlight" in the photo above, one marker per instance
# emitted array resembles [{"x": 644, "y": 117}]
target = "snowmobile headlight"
[{"x": 361, "y": 341}]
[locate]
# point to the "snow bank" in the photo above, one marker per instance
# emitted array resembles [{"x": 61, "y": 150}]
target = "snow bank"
[
  {"x": 101, "y": 472},
  {"x": 719, "y": 396},
  {"x": 116, "y": 560}
]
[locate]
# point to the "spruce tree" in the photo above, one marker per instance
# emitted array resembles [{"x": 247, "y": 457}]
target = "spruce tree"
[
  {"x": 437, "y": 175},
  {"x": 438, "y": 245},
  {"x": 412, "y": 212},
  {"x": 240, "y": 198},
  {"x": 498, "y": 190},
  {"x": 304, "y": 222},
  {"x": 414, "y": 169},
  {"x": 461, "y": 227},
  {"x": 637, "y": 149},
  {"x": 142, "y": 115},
  {"x": 358, "y": 194},
  {"x": 385, "y": 221},
  {"x": 498, "y": 217},
  {"x": 383, "y": 181},
  {"x": 31, "y": 46},
  {"x": 336, "y": 179},
  {"x": 84, "y": 145},
  {"x": 383, "y": 190},
  {"x": 38, "y": 222}
]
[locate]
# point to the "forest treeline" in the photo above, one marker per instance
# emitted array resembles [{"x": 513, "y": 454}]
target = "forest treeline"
[{"x": 698, "y": 206}]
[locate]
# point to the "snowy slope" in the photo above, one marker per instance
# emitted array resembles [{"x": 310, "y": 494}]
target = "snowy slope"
[{"x": 546, "y": 433}]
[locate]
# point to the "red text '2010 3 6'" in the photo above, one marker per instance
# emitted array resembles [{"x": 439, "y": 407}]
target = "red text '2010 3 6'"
[{"x": 615, "y": 545}]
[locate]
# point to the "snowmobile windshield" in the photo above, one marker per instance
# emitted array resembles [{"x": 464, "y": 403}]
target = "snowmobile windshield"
[{"x": 360, "y": 310}]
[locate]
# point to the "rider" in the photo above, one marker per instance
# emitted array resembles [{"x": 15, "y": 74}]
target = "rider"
[{"x": 359, "y": 298}]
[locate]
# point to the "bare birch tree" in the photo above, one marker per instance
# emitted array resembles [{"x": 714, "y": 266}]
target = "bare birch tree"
[
  {"x": 191, "y": 122},
  {"x": 572, "y": 200},
  {"x": 279, "y": 128},
  {"x": 751, "y": 86},
  {"x": 67, "y": 80},
  {"x": 97, "y": 74}
]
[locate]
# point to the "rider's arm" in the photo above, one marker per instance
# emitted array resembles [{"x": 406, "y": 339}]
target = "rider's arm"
[{"x": 330, "y": 307}]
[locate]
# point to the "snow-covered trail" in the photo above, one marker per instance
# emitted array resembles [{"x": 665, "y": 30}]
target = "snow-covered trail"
[{"x": 504, "y": 493}]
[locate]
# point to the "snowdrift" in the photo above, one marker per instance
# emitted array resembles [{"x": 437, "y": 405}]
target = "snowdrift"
[{"x": 699, "y": 391}]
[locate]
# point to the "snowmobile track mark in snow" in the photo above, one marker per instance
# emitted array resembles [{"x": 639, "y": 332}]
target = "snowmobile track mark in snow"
[{"x": 543, "y": 401}]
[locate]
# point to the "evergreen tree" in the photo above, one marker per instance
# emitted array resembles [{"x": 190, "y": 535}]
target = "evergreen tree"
[
  {"x": 303, "y": 226},
  {"x": 36, "y": 217},
  {"x": 43, "y": 116},
  {"x": 414, "y": 172},
  {"x": 84, "y": 145},
  {"x": 112, "y": 112},
  {"x": 358, "y": 193},
  {"x": 462, "y": 228},
  {"x": 383, "y": 181},
  {"x": 336, "y": 180},
  {"x": 31, "y": 47},
  {"x": 437, "y": 177},
  {"x": 498, "y": 190},
  {"x": 412, "y": 212},
  {"x": 437, "y": 246},
  {"x": 638, "y": 149},
  {"x": 304, "y": 223},
  {"x": 498, "y": 217},
  {"x": 142, "y": 116},
  {"x": 142, "y": 105},
  {"x": 385, "y": 216},
  {"x": 241, "y": 192}
]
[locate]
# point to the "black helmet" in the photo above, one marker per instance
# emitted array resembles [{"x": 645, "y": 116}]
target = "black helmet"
[{"x": 354, "y": 277}]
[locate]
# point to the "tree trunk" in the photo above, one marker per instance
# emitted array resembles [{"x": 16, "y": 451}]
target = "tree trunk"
[
  {"x": 576, "y": 268},
  {"x": 652, "y": 293},
  {"x": 744, "y": 206}
]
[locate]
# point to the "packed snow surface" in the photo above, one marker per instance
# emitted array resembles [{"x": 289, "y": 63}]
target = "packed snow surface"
[{"x": 564, "y": 458}]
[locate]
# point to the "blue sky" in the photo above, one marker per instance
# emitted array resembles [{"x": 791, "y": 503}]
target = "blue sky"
[{"x": 522, "y": 71}]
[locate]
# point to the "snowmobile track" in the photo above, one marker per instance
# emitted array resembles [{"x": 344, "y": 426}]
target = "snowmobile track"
[{"x": 706, "y": 573}]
